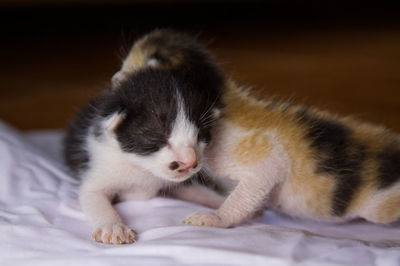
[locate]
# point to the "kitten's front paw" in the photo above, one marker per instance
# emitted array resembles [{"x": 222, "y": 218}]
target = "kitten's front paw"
[
  {"x": 205, "y": 219},
  {"x": 114, "y": 234}
]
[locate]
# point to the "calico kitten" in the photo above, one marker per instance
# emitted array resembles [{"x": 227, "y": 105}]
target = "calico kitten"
[
  {"x": 301, "y": 161},
  {"x": 147, "y": 132}
]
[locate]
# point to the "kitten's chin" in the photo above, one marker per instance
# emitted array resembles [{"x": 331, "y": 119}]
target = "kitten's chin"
[
  {"x": 179, "y": 177},
  {"x": 176, "y": 179}
]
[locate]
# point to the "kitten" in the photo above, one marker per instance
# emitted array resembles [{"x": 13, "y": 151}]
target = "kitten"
[
  {"x": 301, "y": 161},
  {"x": 147, "y": 132}
]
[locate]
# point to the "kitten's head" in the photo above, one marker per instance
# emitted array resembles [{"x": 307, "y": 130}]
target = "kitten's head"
[{"x": 162, "y": 124}]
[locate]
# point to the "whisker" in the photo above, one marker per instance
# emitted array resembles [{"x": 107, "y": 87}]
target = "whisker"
[
  {"x": 210, "y": 107},
  {"x": 209, "y": 123}
]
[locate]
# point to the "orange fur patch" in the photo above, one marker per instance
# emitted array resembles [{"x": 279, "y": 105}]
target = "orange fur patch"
[
  {"x": 251, "y": 147},
  {"x": 144, "y": 49}
]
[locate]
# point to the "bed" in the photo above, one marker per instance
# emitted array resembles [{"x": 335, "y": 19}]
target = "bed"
[{"x": 41, "y": 224}]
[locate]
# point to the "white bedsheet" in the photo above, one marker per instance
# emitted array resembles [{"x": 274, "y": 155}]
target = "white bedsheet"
[{"x": 41, "y": 224}]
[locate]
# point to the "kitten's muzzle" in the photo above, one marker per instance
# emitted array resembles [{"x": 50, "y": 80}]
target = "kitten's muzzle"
[{"x": 185, "y": 159}]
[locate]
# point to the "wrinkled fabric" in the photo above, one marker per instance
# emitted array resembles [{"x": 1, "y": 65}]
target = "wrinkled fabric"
[{"x": 41, "y": 223}]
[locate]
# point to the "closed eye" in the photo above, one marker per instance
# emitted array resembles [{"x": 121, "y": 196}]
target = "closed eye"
[{"x": 147, "y": 149}]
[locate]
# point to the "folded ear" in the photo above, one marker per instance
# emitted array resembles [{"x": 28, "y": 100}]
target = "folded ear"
[
  {"x": 116, "y": 79},
  {"x": 112, "y": 110},
  {"x": 112, "y": 121},
  {"x": 120, "y": 76}
]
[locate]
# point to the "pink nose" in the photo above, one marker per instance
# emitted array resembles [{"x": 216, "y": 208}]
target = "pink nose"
[
  {"x": 187, "y": 158},
  {"x": 182, "y": 167},
  {"x": 188, "y": 165}
]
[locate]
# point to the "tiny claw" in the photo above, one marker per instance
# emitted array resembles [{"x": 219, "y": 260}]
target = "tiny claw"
[
  {"x": 202, "y": 224},
  {"x": 132, "y": 239},
  {"x": 94, "y": 237},
  {"x": 189, "y": 222},
  {"x": 119, "y": 240}
]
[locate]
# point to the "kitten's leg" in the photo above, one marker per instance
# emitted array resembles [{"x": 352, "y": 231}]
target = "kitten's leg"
[
  {"x": 108, "y": 225},
  {"x": 138, "y": 193},
  {"x": 95, "y": 197},
  {"x": 245, "y": 199},
  {"x": 198, "y": 194}
]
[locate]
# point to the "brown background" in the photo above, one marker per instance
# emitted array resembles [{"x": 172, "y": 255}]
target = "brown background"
[{"x": 342, "y": 57}]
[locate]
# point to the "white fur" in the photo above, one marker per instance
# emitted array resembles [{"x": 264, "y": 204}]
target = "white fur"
[
  {"x": 216, "y": 113},
  {"x": 152, "y": 62},
  {"x": 117, "y": 78},
  {"x": 199, "y": 194},
  {"x": 184, "y": 132},
  {"x": 183, "y": 138},
  {"x": 109, "y": 173}
]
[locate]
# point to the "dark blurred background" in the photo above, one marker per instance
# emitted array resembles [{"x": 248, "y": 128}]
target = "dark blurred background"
[{"x": 340, "y": 55}]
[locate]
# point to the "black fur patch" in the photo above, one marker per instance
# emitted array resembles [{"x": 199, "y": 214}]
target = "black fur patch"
[
  {"x": 349, "y": 179},
  {"x": 149, "y": 100},
  {"x": 389, "y": 170},
  {"x": 338, "y": 155},
  {"x": 76, "y": 157}
]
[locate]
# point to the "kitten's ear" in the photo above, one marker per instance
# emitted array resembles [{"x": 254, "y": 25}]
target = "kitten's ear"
[
  {"x": 117, "y": 79},
  {"x": 112, "y": 121},
  {"x": 112, "y": 110}
]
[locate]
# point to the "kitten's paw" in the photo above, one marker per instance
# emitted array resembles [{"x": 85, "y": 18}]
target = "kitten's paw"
[
  {"x": 114, "y": 234},
  {"x": 205, "y": 219}
]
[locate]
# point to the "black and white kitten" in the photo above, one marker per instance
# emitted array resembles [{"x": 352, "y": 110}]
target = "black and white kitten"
[{"x": 147, "y": 132}]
